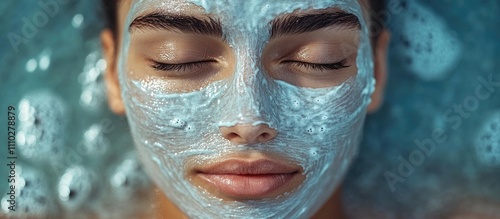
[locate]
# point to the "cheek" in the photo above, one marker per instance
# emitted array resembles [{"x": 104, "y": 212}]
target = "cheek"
[
  {"x": 176, "y": 124},
  {"x": 317, "y": 113}
]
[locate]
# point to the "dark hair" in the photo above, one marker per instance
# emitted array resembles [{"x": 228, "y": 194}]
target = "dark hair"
[
  {"x": 110, "y": 8},
  {"x": 377, "y": 23},
  {"x": 376, "y": 6}
]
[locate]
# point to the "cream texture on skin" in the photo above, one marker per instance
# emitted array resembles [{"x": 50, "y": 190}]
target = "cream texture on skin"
[{"x": 318, "y": 128}]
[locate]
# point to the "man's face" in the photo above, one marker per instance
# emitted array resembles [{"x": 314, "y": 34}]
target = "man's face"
[{"x": 250, "y": 107}]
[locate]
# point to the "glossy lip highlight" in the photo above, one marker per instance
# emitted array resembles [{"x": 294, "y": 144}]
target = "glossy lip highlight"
[{"x": 243, "y": 179}]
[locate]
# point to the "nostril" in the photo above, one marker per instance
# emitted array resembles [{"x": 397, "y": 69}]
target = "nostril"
[
  {"x": 248, "y": 134},
  {"x": 265, "y": 135},
  {"x": 232, "y": 135}
]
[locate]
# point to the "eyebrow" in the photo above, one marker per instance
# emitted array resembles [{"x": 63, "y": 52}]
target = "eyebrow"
[
  {"x": 295, "y": 24},
  {"x": 183, "y": 23},
  {"x": 287, "y": 25}
]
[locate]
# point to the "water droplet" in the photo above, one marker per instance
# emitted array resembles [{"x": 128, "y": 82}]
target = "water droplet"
[
  {"x": 31, "y": 65},
  {"x": 77, "y": 20}
]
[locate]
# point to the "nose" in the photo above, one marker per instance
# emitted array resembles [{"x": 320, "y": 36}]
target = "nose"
[{"x": 248, "y": 134}]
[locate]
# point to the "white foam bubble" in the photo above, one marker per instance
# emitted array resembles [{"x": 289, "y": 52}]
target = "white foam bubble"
[
  {"x": 430, "y": 47},
  {"x": 487, "y": 144}
]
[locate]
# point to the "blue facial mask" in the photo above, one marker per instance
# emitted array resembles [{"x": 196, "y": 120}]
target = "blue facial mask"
[{"x": 318, "y": 128}]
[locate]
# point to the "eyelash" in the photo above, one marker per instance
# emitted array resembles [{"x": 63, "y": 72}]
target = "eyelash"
[
  {"x": 321, "y": 67},
  {"x": 177, "y": 67},
  {"x": 188, "y": 66}
]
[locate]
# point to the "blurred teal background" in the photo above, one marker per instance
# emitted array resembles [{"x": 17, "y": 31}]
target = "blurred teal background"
[{"x": 75, "y": 157}]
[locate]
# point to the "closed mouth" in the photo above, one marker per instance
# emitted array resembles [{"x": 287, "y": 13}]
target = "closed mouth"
[{"x": 243, "y": 179}]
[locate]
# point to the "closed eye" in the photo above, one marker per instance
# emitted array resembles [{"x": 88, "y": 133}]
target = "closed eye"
[
  {"x": 159, "y": 66},
  {"x": 320, "y": 67}
]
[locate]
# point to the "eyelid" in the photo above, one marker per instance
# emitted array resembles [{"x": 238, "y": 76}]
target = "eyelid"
[
  {"x": 319, "y": 66},
  {"x": 160, "y": 66},
  {"x": 178, "y": 56}
]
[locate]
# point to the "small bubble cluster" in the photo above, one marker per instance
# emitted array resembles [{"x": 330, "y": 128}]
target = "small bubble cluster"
[
  {"x": 76, "y": 187},
  {"x": 429, "y": 47},
  {"x": 41, "y": 125},
  {"x": 128, "y": 177},
  {"x": 93, "y": 94},
  {"x": 296, "y": 104},
  {"x": 94, "y": 141},
  {"x": 316, "y": 129},
  {"x": 177, "y": 123},
  {"x": 33, "y": 197},
  {"x": 488, "y": 142}
]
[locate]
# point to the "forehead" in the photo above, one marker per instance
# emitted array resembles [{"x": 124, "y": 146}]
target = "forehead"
[{"x": 238, "y": 8}]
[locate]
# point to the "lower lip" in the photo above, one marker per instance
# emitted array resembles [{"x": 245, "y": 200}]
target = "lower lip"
[{"x": 247, "y": 186}]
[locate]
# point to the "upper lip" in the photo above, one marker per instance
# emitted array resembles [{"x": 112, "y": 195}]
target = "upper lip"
[{"x": 243, "y": 167}]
